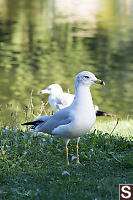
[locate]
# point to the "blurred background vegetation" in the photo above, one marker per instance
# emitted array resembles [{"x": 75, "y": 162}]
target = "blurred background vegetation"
[{"x": 45, "y": 41}]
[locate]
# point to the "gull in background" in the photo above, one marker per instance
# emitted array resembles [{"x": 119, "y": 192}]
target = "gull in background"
[
  {"x": 75, "y": 120},
  {"x": 59, "y": 99}
]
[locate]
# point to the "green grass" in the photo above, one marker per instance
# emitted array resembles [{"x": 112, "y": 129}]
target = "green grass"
[{"x": 32, "y": 165}]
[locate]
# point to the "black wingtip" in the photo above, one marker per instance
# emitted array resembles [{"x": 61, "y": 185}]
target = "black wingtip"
[
  {"x": 27, "y": 123},
  {"x": 33, "y": 123},
  {"x": 101, "y": 113}
]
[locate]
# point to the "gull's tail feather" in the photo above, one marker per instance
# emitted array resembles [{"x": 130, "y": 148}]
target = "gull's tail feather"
[
  {"x": 35, "y": 123},
  {"x": 101, "y": 113}
]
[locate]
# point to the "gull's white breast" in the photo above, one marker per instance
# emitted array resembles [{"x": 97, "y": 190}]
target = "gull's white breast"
[{"x": 81, "y": 123}]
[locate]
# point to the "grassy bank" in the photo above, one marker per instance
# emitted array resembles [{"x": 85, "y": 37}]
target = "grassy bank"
[{"x": 32, "y": 166}]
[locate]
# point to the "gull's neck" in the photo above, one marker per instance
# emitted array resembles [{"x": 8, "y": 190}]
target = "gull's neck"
[{"x": 83, "y": 97}]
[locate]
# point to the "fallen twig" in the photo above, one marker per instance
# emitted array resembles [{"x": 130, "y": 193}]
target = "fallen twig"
[{"x": 115, "y": 125}]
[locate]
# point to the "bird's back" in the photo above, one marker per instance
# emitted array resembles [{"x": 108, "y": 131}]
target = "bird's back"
[{"x": 60, "y": 101}]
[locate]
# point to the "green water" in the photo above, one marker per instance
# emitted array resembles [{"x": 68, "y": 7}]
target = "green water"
[{"x": 44, "y": 42}]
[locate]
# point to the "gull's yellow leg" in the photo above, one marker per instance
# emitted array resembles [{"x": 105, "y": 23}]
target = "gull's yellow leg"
[
  {"x": 67, "y": 141},
  {"x": 67, "y": 155},
  {"x": 77, "y": 150}
]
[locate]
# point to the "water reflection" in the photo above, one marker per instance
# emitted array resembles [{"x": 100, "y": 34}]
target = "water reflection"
[{"x": 42, "y": 42}]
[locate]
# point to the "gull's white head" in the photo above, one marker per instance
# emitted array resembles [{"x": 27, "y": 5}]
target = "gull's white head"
[
  {"x": 52, "y": 89},
  {"x": 87, "y": 79}
]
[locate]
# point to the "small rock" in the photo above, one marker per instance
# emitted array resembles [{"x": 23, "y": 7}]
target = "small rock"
[
  {"x": 73, "y": 158},
  {"x": 65, "y": 173},
  {"x": 43, "y": 139}
]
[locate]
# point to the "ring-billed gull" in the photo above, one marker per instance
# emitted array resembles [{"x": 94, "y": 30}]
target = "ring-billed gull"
[
  {"x": 59, "y": 99},
  {"x": 75, "y": 120}
]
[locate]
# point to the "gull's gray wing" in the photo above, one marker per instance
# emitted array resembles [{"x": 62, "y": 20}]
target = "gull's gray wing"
[{"x": 62, "y": 117}]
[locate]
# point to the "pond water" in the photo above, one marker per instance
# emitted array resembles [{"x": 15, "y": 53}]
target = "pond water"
[{"x": 44, "y": 42}]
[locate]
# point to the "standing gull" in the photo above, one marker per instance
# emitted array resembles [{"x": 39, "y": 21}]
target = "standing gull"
[
  {"x": 75, "y": 120},
  {"x": 59, "y": 99}
]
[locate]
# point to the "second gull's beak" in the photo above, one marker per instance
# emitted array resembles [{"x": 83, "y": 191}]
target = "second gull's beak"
[{"x": 44, "y": 91}]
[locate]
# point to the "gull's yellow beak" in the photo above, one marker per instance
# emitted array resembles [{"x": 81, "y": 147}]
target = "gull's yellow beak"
[{"x": 99, "y": 82}]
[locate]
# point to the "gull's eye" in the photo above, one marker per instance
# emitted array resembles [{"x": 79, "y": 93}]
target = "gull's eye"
[{"x": 86, "y": 77}]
